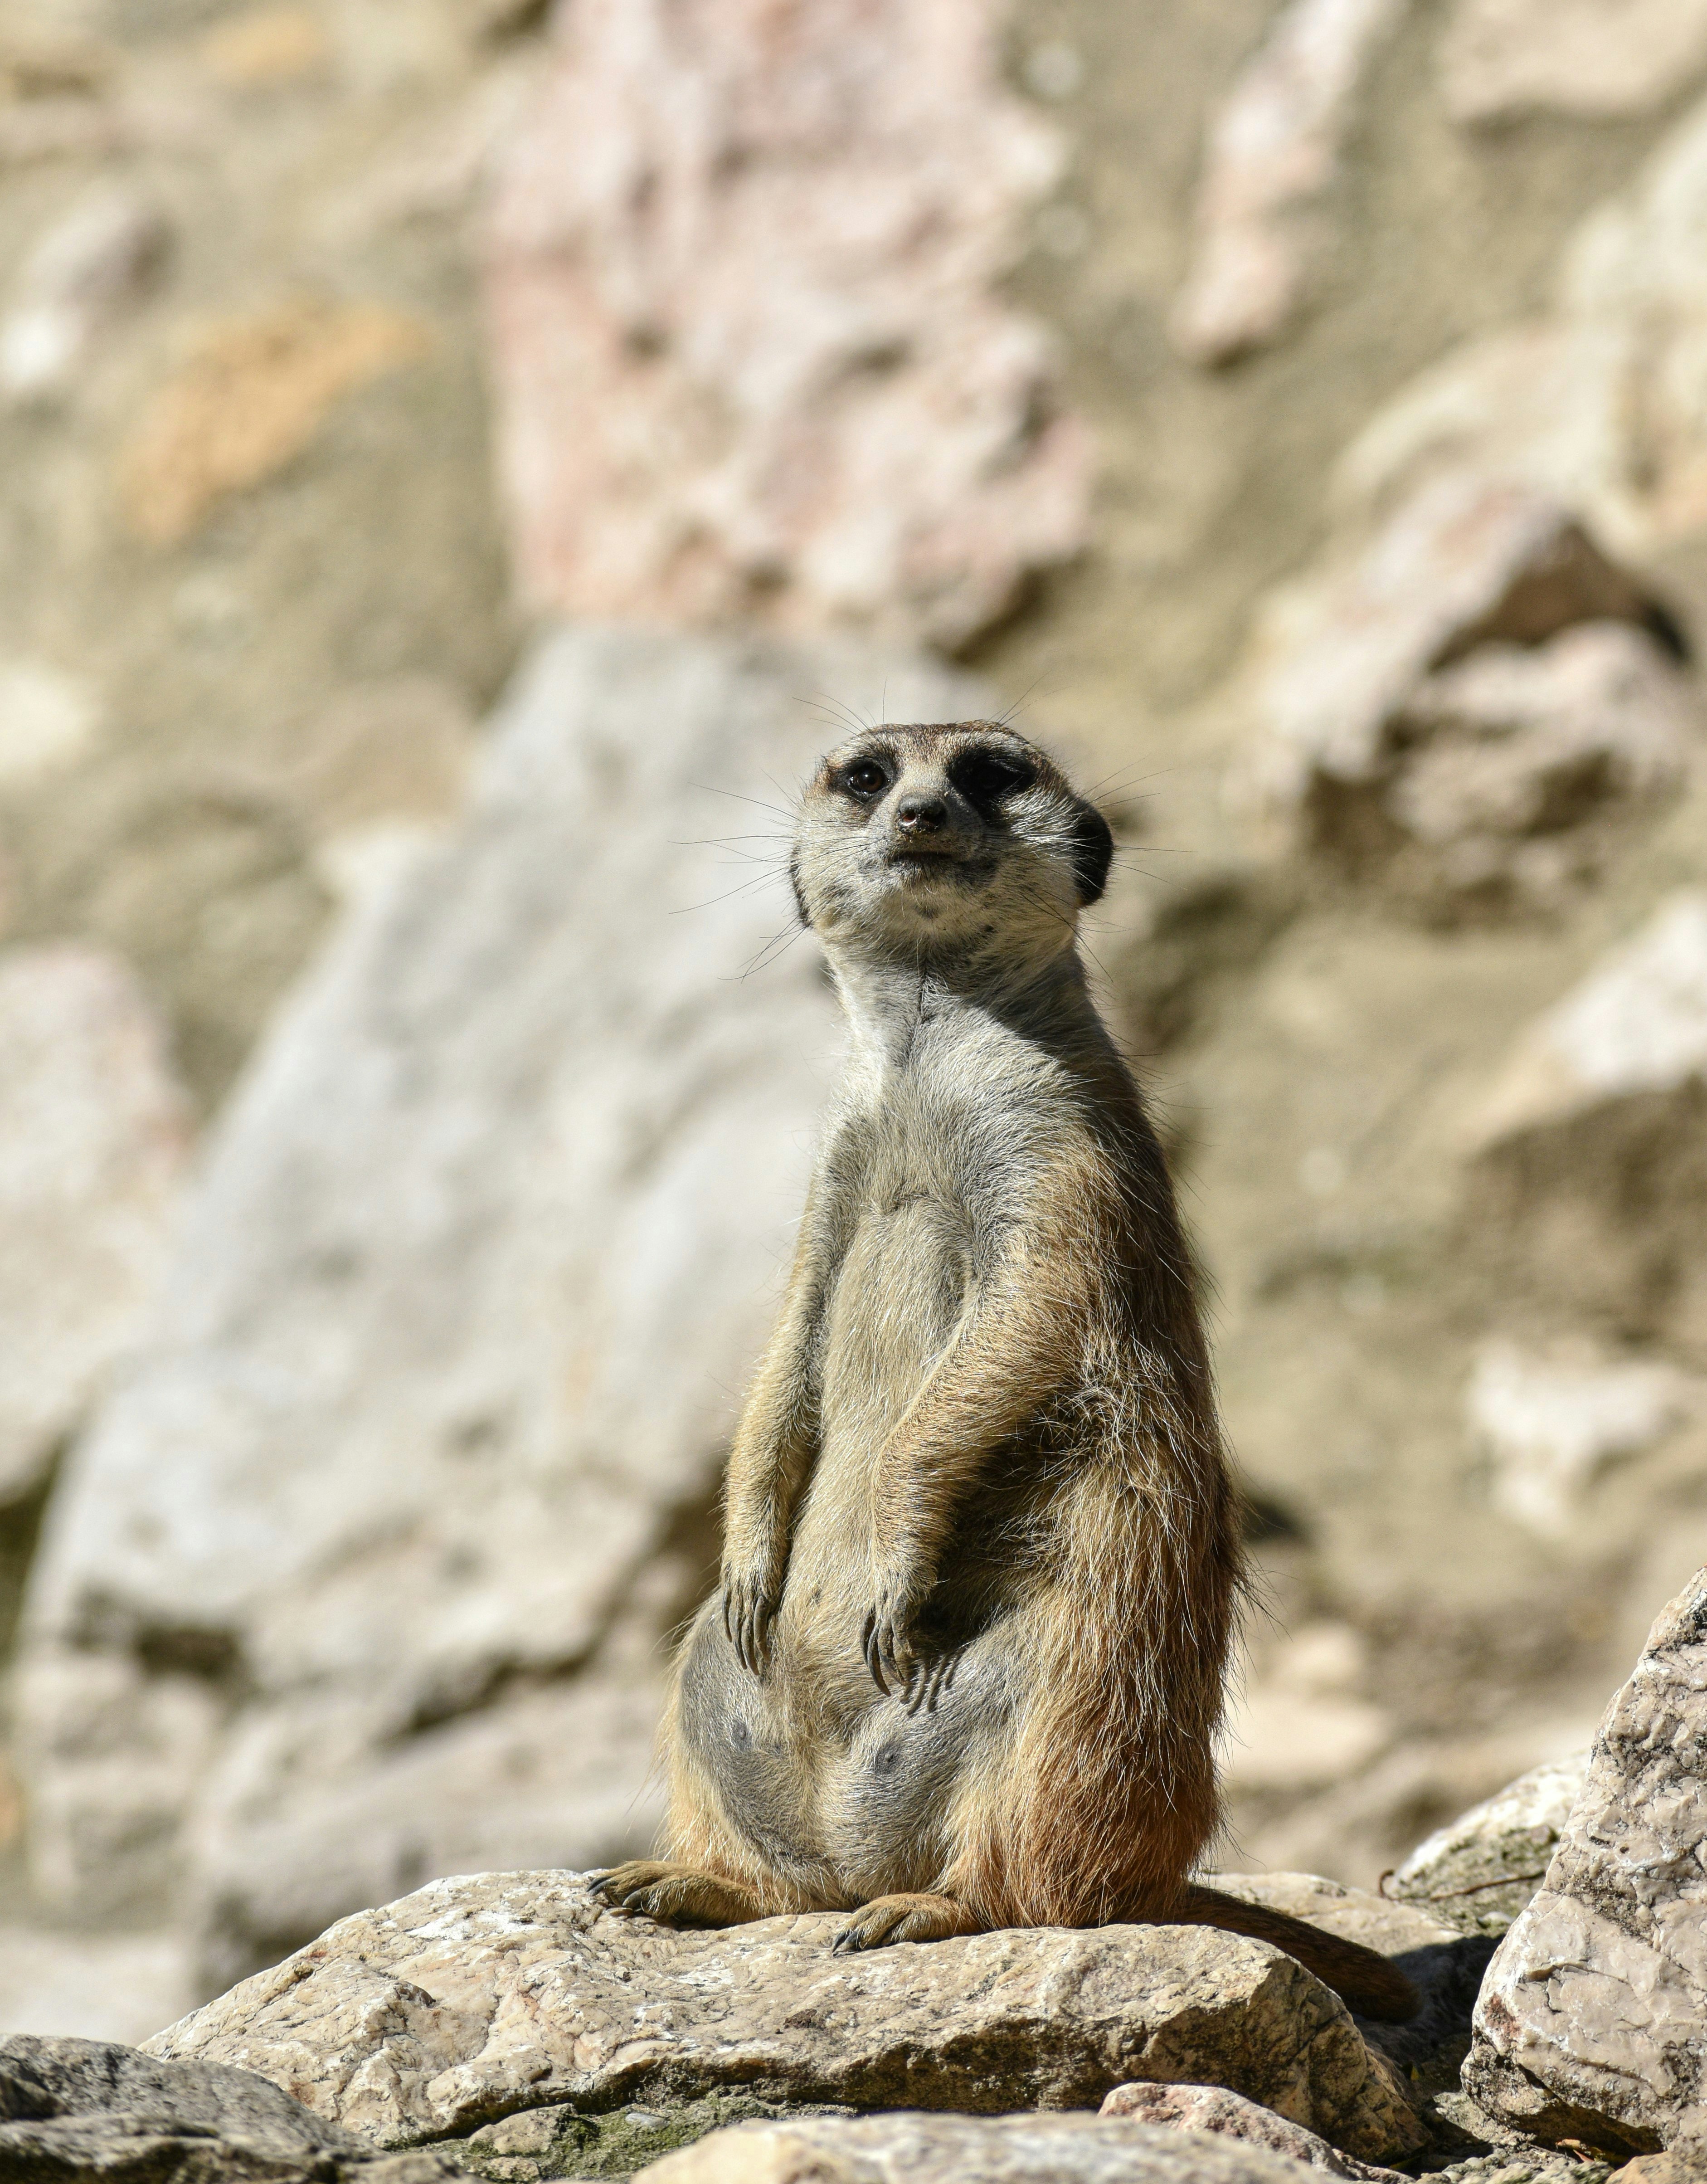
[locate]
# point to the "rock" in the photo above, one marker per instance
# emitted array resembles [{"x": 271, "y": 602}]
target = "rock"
[
  {"x": 1213, "y": 2109},
  {"x": 94, "y": 1138},
  {"x": 1458, "y": 566},
  {"x": 105, "y": 1987},
  {"x": 1445, "y": 1967},
  {"x": 540, "y": 2143},
  {"x": 1506, "y": 773},
  {"x": 1592, "y": 400},
  {"x": 47, "y": 720},
  {"x": 1480, "y": 1871},
  {"x": 254, "y": 395},
  {"x": 1589, "y": 2025},
  {"x": 934, "y": 2149},
  {"x": 368, "y": 1570},
  {"x": 1272, "y": 157},
  {"x": 1502, "y": 58},
  {"x": 1681, "y": 2165},
  {"x": 1588, "y": 1173},
  {"x": 479, "y": 1996},
  {"x": 93, "y": 264},
  {"x": 751, "y": 351},
  {"x": 1299, "y": 1722},
  {"x": 73, "y": 2111},
  {"x": 1550, "y": 1422}
]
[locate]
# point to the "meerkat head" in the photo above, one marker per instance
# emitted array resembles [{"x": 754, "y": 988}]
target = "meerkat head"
[{"x": 923, "y": 843}]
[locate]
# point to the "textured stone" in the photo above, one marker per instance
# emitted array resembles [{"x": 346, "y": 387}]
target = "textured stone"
[
  {"x": 72, "y": 2111},
  {"x": 94, "y": 1136},
  {"x": 1589, "y": 1166},
  {"x": 1502, "y": 58},
  {"x": 1597, "y": 399},
  {"x": 1480, "y": 1871},
  {"x": 751, "y": 354},
  {"x": 1592, "y": 2019},
  {"x": 928, "y": 2149},
  {"x": 96, "y": 261},
  {"x": 1551, "y": 1420},
  {"x": 1506, "y": 776},
  {"x": 477, "y": 1997},
  {"x": 367, "y": 1571},
  {"x": 1461, "y": 563},
  {"x": 1213, "y": 2109},
  {"x": 1272, "y": 157},
  {"x": 251, "y": 398}
]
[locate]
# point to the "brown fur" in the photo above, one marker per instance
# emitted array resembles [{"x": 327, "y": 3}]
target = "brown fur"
[{"x": 983, "y": 1556}]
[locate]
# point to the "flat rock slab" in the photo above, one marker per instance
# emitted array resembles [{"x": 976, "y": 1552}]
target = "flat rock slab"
[
  {"x": 1213, "y": 2110},
  {"x": 1592, "y": 2023},
  {"x": 939, "y": 2150},
  {"x": 478, "y": 1996},
  {"x": 74, "y": 2110}
]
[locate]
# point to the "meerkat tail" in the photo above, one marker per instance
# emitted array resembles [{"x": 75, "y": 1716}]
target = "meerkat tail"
[{"x": 1364, "y": 1982}]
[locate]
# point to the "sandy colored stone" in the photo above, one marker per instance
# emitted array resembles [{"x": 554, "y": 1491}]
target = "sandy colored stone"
[
  {"x": 96, "y": 261},
  {"x": 1502, "y": 58},
  {"x": 934, "y": 2149},
  {"x": 75, "y": 2110},
  {"x": 1464, "y": 563},
  {"x": 368, "y": 1572},
  {"x": 1550, "y": 1420},
  {"x": 1273, "y": 154},
  {"x": 750, "y": 347},
  {"x": 502, "y": 1991},
  {"x": 252, "y": 397},
  {"x": 1213, "y": 2109},
  {"x": 94, "y": 1143},
  {"x": 1480, "y": 1871},
  {"x": 1595, "y": 400},
  {"x": 266, "y": 46},
  {"x": 1593, "y": 2020}
]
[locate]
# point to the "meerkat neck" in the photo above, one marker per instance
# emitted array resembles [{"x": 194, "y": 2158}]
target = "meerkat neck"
[{"x": 888, "y": 1000}]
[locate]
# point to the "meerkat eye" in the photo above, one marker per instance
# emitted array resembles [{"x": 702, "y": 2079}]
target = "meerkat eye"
[
  {"x": 985, "y": 776},
  {"x": 864, "y": 778}
]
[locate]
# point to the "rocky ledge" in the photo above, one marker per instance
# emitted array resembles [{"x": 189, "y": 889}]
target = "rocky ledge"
[{"x": 478, "y": 1998}]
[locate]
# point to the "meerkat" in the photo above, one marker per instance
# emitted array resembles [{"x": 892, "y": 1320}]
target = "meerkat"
[{"x": 982, "y": 1555}]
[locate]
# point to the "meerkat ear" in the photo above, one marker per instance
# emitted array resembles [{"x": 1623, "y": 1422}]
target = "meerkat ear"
[
  {"x": 799, "y": 892},
  {"x": 1093, "y": 852}
]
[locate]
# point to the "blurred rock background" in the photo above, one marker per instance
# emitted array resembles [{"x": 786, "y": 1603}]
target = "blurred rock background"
[{"x": 458, "y": 459}]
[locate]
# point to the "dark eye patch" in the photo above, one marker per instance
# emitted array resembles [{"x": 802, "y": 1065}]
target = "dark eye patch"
[
  {"x": 865, "y": 779},
  {"x": 984, "y": 776}
]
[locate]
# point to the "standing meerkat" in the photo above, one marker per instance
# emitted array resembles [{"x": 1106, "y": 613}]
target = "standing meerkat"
[{"x": 982, "y": 1554}]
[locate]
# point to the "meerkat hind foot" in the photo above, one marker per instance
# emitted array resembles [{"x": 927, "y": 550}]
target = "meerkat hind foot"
[
  {"x": 678, "y": 1894},
  {"x": 889, "y": 1919}
]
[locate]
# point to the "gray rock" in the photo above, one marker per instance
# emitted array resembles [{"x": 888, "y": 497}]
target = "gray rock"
[
  {"x": 1272, "y": 158},
  {"x": 1212, "y": 2108},
  {"x": 475, "y": 1997},
  {"x": 73, "y": 2111},
  {"x": 935, "y": 2149},
  {"x": 99, "y": 259},
  {"x": 1592, "y": 2019},
  {"x": 364, "y": 1573},
  {"x": 94, "y": 1140},
  {"x": 1462, "y": 562},
  {"x": 1588, "y": 1161},
  {"x": 1500, "y": 60},
  {"x": 751, "y": 400},
  {"x": 1479, "y": 1872}
]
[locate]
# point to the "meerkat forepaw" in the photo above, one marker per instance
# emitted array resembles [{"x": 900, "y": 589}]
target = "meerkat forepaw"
[
  {"x": 888, "y": 1640},
  {"x": 652, "y": 1888},
  {"x": 749, "y": 1610},
  {"x": 913, "y": 1917}
]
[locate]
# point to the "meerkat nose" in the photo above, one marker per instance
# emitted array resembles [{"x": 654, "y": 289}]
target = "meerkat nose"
[{"x": 920, "y": 815}]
